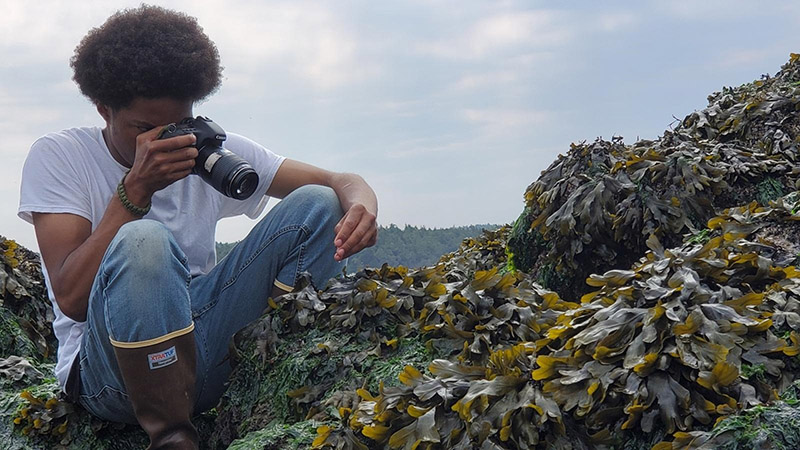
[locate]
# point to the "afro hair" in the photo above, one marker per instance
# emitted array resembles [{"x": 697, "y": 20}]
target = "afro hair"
[{"x": 146, "y": 52}]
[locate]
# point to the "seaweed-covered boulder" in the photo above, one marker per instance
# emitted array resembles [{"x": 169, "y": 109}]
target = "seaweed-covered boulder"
[
  {"x": 26, "y": 315},
  {"x": 654, "y": 356},
  {"x": 647, "y": 298},
  {"x": 302, "y": 365},
  {"x": 33, "y": 412},
  {"x": 594, "y": 208}
]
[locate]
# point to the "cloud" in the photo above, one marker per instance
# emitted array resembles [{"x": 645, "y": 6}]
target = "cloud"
[
  {"x": 505, "y": 32},
  {"x": 311, "y": 41},
  {"x": 425, "y": 147},
  {"x": 708, "y": 10},
  {"x": 407, "y": 108},
  {"x": 494, "y": 79},
  {"x": 613, "y": 22},
  {"x": 501, "y": 121},
  {"x": 740, "y": 57},
  {"x": 46, "y": 31},
  {"x": 19, "y": 134}
]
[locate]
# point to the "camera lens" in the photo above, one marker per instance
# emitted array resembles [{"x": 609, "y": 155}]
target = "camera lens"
[
  {"x": 244, "y": 182},
  {"x": 226, "y": 172}
]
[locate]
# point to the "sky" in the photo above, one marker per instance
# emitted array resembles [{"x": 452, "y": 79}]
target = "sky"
[{"x": 448, "y": 109}]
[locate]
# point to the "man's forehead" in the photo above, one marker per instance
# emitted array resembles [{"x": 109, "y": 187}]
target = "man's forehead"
[{"x": 153, "y": 111}]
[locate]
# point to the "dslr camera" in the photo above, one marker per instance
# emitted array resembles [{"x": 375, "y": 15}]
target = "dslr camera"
[{"x": 221, "y": 168}]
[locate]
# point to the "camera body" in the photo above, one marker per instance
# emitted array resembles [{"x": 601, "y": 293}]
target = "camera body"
[{"x": 221, "y": 168}]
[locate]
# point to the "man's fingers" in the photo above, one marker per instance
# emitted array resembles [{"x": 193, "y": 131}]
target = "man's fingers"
[
  {"x": 173, "y": 143},
  {"x": 347, "y": 224},
  {"x": 368, "y": 240},
  {"x": 181, "y": 166},
  {"x": 175, "y": 176},
  {"x": 338, "y": 227},
  {"x": 360, "y": 237},
  {"x": 355, "y": 237},
  {"x": 355, "y": 231},
  {"x": 183, "y": 154},
  {"x": 149, "y": 135}
]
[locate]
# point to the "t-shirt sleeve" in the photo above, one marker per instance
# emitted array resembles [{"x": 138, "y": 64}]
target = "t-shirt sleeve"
[
  {"x": 51, "y": 183},
  {"x": 265, "y": 163}
]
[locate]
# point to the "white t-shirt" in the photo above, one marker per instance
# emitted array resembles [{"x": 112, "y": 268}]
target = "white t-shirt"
[{"x": 72, "y": 171}]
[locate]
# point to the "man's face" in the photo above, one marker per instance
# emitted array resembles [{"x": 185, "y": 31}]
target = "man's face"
[{"x": 125, "y": 124}]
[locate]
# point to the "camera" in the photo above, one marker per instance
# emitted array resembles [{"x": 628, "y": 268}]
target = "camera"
[{"x": 221, "y": 168}]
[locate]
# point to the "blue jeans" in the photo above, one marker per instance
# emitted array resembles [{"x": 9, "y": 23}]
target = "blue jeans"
[{"x": 143, "y": 290}]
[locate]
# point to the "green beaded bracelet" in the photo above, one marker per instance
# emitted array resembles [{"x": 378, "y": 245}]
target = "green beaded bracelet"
[{"x": 123, "y": 197}]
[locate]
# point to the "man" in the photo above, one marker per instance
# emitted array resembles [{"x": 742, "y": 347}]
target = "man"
[{"x": 143, "y": 317}]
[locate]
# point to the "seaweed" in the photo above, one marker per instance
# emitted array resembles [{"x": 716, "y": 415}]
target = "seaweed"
[
  {"x": 597, "y": 205},
  {"x": 647, "y": 297}
]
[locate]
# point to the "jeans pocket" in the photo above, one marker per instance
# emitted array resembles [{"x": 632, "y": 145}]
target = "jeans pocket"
[{"x": 109, "y": 404}]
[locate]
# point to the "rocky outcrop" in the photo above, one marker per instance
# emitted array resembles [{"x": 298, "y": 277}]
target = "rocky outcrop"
[
  {"x": 594, "y": 208},
  {"x": 647, "y": 298}
]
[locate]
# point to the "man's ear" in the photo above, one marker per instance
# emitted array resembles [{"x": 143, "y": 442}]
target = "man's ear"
[{"x": 105, "y": 112}]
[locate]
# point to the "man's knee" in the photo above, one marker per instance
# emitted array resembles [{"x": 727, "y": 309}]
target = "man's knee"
[
  {"x": 142, "y": 235},
  {"x": 147, "y": 282},
  {"x": 144, "y": 244},
  {"x": 321, "y": 202}
]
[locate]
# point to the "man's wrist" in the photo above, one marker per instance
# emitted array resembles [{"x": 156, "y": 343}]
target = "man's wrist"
[
  {"x": 136, "y": 194},
  {"x": 134, "y": 202}
]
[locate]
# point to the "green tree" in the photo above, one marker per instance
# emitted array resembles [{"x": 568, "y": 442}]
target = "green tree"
[{"x": 409, "y": 246}]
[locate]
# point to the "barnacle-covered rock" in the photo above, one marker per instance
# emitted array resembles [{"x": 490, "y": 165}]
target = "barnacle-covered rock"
[{"x": 594, "y": 208}]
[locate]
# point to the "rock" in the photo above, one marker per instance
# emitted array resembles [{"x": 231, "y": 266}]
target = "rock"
[
  {"x": 594, "y": 208},
  {"x": 647, "y": 297},
  {"x": 33, "y": 413},
  {"x": 26, "y": 315}
]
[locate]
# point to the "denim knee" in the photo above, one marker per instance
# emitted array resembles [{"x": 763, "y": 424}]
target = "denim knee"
[
  {"x": 145, "y": 246},
  {"x": 146, "y": 283},
  {"x": 320, "y": 202}
]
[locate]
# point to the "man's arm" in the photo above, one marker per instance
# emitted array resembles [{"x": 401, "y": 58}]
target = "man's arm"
[
  {"x": 358, "y": 228},
  {"x": 72, "y": 253}
]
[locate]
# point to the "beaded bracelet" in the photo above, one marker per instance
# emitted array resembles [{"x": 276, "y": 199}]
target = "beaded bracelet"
[{"x": 123, "y": 197}]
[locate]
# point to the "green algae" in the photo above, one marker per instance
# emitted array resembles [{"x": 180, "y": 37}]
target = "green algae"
[
  {"x": 757, "y": 371},
  {"x": 766, "y": 427},
  {"x": 279, "y": 436},
  {"x": 701, "y": 237},
  {"x": 305, "y": 373},
  {"x": 550, "y": 277},
  {"x": 81, "y": 432},
  {"x": 769, "y": 189},
  {"x": 13, "y": 338},
  {"x": 521, "y": 240}
]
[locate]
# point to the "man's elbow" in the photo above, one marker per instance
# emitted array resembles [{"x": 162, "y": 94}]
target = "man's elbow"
[{"x": 72, "y": 307}]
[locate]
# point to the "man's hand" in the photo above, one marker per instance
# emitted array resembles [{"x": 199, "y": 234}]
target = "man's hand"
[
  {"x": 158, "y": 163},
  {"x": 358, "y": 228},
  {"x": 356, "y": 231}
]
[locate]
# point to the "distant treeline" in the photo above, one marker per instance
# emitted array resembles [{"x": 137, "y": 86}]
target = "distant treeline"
[{"x": 409, "y": 246}]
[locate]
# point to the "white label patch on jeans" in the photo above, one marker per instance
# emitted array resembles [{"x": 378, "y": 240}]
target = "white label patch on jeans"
[{"x": 162, "y": 359}]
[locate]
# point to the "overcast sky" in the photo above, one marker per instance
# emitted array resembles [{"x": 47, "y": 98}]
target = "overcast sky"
[{"x": 449, "y": 109}]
